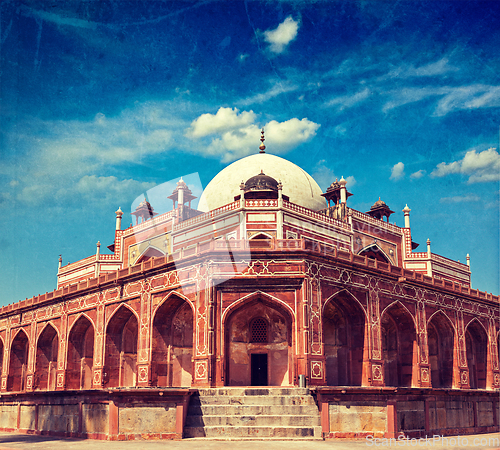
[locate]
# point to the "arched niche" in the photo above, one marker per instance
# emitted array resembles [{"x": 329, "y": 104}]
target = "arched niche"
[
  {"x": 18, "y": 364},
  {"x": 399, "y": 345},
  {"x": 80, "y": 355},
  {"x": 258, "y": 341},
  {"x": 150, "y": 252},
  {"x": 120, "y": 367},
  {"x": 373, "y": 251},
  {"x": 344, "y": 340},
  {"x": 476, "y": 342},
  {"x": 46, "y": 359},
  {"x": 172, "y": 346},
  {"x": 440, "y": 343}
]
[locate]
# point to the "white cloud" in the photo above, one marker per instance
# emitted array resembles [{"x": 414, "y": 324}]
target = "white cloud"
[
  {"x": 418, "y": 174},
  {"x": 452, "y": 98},
  {"x": 347, "y": 101},
  {"x": 398, "y": 171},
  {"x": 280, "y": 37},
  {"x": 480, "y": 167},
  {"x": 64, "y": 155},
  {"x": 239, "y": 136},
  {"x": 460, "y": 199},
  {"x": 226, "y": 119},
  {"x": 274, "y": 91},
  {"x": 440, "y": 67},
  {"x": 325, "y": 176}
]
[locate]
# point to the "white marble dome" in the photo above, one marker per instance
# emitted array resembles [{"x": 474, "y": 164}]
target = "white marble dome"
[{"x": 297, "y": 183}]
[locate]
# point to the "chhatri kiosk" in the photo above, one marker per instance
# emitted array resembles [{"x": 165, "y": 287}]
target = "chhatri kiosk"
[{"x": 272, "y": 310}]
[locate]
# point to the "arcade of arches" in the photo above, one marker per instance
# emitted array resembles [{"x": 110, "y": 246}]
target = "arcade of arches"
[{"x": 262, "y": 340}]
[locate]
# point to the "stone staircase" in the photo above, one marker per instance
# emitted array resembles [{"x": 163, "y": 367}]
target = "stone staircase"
[{"x": 239, "y": 413}]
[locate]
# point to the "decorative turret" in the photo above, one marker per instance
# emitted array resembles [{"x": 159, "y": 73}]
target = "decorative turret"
[
  {"x": 338, "y": 195},
  {"x": 262, "y": 186},
  {"x": 380, "y": 210},
  {"x": 144, "y": 211},
  {"x": 181, "y": 194}
]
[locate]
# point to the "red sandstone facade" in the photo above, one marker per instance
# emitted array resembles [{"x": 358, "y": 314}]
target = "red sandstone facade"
[{"x": 255, "y": 292}]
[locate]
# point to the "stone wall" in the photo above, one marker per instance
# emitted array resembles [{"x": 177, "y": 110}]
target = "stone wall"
[
  {"x": 145, "y": 414},
  {"x": 359, "y": 412}
]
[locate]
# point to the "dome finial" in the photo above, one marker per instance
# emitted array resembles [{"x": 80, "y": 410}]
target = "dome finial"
[{"x": 262, "y": 147}]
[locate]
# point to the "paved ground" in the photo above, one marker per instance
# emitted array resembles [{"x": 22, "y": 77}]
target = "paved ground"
[{"x": 11, "y": 441}]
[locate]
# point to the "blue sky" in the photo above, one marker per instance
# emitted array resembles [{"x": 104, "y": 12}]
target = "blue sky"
[{"x": 101, "y": 101}]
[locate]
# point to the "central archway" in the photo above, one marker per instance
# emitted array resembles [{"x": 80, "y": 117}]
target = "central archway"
[{"x": 258, "y": 341}]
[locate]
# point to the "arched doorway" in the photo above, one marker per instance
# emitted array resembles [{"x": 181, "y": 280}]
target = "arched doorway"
[
  {"x": 398, "y": 345},
  {"x": 172, "y": 349},
  {"x": 440, "y": 342},
  {"x": 343, "y": 337},
  {"x": 80, "y": 355},
  {"x": 120, "y": 365},
  {"x": 258, "y": 340},
  {"x": 18, "y": 364},
  {"x": 476, "y": 342},
  {"x": 46, "y": 359}
]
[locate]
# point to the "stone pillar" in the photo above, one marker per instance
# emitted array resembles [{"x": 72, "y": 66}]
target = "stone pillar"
[
  {"x": 376, "y": 362},
  {"x": 5, "y": 361},
  {"x": 30, "y": 376},
  {"x": 406, "y": 212},
  {"x": 99, "y": 335},
  {"x": 62, "y": 354},
  {"x": 463, "y": 369},
  {"x": 144, "y": 351},
  {"x": 421, "y": 376},
  {"x": 429, "y": 262},
  {"x": 279, "y": 217},
  {"x": 119, "y": 214}
]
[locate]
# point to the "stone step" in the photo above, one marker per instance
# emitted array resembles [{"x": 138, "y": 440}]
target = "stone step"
[
  {"x": 254, "y": 421},
  {"x": 252, "y": 410},
  {"x": 251, "y": 391},
  {"x": 253, "y": 432},
  {"x": 287, "y": 400}
]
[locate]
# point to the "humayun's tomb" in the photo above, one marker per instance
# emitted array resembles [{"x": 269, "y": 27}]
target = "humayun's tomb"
[{"x": 272, "y": 310}]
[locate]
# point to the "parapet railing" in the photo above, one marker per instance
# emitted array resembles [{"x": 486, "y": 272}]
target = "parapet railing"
[
  {"x": 376, "y": 222},
  {"x": 313, "y": 214},
  {"x": 223, "y": 247}
]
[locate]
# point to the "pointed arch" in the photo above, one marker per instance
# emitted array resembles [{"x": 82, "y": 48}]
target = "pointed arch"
[
  {"x": 261, "y": 235},
  {"x": 150, "y": 251},
  {"x": 251, "y": 297},
  {"x": 18, "y": 361},
  {"x": 172, "y": 342},
  {"x": 47, "y": 348},
  {"x": 80, "y": 355},
  {"x": 258, "y": 363},
  {"x": 441, "y": 349},
  {"x": 166, "y": 299},
  {"x": 476, "y": 343},
  {"x": 374, "y": 251},
  {"x": 122, "y": 305},
  {"x": 78, "y": 317},
  {"x": 399, "y": 344},
  {"x": 120, "y": 365},
  {"x": 344, "y": 339}
]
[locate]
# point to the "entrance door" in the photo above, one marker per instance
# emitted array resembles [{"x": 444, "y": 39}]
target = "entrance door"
[{"x": 259, "y": 369}]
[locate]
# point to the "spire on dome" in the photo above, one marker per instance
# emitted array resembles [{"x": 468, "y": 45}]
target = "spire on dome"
[{"x": 262, "y": 147}]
